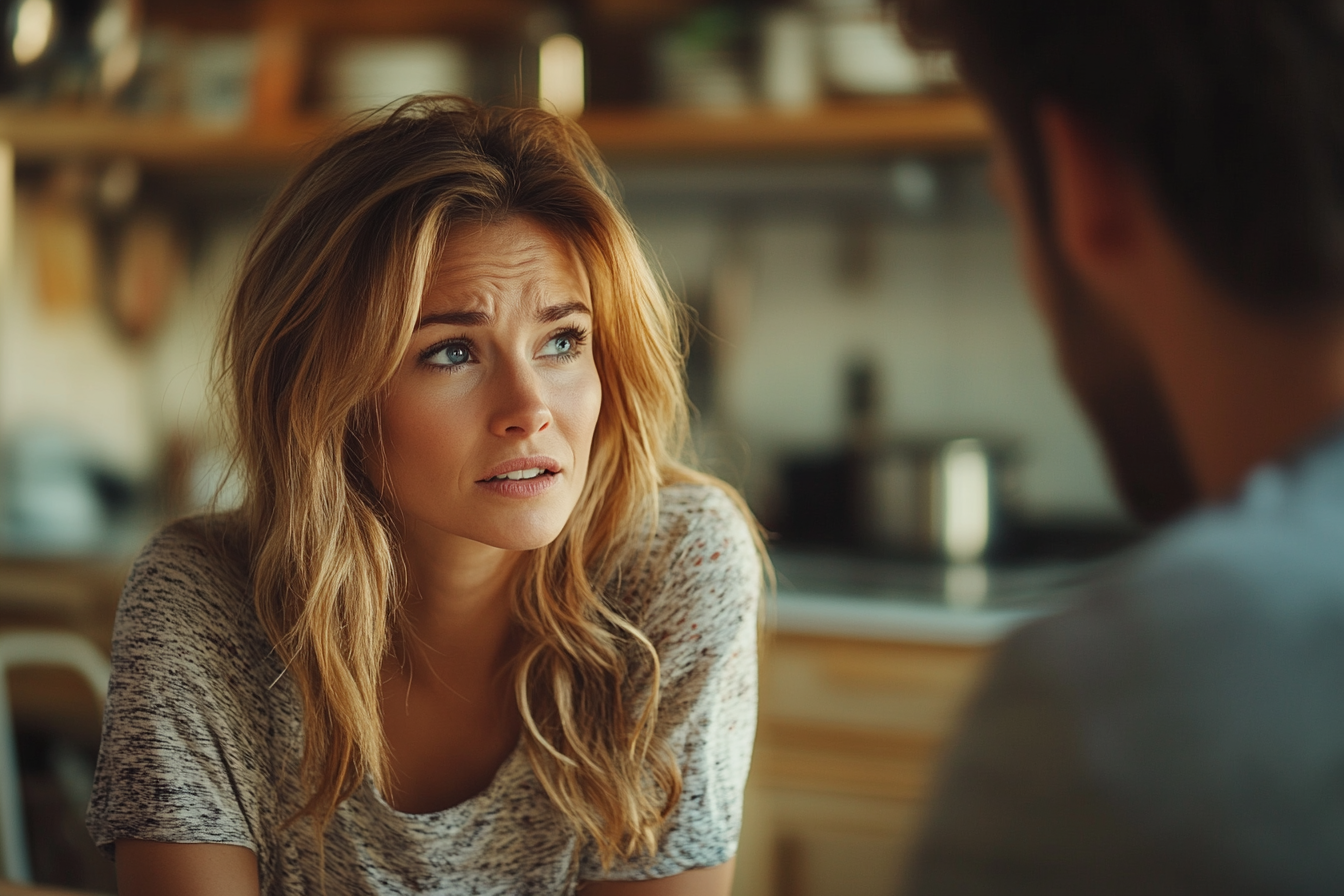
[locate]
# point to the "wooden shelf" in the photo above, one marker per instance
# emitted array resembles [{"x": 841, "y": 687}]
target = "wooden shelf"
[
  {"x": 953, "y": 122},
  {"x": 356, "y": 17},
  {"x": 171, "y": 143},
  {"x": 848, "y": 129}
]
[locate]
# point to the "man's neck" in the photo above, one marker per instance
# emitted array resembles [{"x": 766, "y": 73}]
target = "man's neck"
[{"x": 1243, "y": 389}]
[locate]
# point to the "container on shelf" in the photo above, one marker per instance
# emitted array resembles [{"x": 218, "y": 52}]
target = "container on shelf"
[
  {"x": 863, "y": 52},
  {"x": 51, "y": 501},
  {"x": 369, "y": 74},
  {"x": 698, "y": 64},
  {"x": 218, "y": 73},
  {"x": 790, "y": 75}
]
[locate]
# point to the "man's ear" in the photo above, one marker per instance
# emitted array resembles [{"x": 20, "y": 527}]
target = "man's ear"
[{"x": 1098, "y": 211}]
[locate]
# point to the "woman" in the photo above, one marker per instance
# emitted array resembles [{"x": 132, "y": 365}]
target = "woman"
[{"x": 474, "y": 629}]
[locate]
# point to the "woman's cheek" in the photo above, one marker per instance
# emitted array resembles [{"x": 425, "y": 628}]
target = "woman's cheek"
[{"x": 592, "y": 405}]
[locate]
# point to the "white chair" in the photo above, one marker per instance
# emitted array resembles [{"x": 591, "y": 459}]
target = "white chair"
[{"x": 34, "y": 648}]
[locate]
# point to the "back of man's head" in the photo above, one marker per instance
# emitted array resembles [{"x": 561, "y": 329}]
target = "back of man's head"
[{"x": 1231, "y": 110}]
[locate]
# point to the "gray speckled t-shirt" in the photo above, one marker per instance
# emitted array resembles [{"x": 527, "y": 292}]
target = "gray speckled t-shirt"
[{"x": 202, "y": 733}]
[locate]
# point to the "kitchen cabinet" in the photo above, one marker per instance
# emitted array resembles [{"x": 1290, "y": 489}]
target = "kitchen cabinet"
[{"x": 849, "y": 738}]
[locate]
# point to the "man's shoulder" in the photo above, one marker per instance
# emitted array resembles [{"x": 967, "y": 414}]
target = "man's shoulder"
[
  {"x": 1200, "y": 677},
  {"x": 1266, "y": 567},
  {"x": 1228, "y": 621}
]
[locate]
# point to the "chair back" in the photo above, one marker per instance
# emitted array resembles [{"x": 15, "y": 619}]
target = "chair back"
[{"x": 34, "y": 648}]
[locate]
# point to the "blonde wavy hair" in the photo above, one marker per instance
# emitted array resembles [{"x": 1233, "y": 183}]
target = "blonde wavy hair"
[{"x": 324, "y": 310}]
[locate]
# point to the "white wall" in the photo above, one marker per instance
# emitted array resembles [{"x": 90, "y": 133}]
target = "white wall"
[
  {"x": 944, "y": 316},
  {"x": 182, "y": 362}
]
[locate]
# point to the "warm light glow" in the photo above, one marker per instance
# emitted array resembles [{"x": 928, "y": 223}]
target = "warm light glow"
[
  {"x": 34, "y": 23},
  {"x": 111, "y": 26},
  {"x": 561, "y": 74},
  {"x": 119, "y": 65},
  {"x": 7, "y": 206}
]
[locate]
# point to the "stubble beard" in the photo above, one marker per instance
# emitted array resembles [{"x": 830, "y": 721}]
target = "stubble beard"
[{"x": 1118, "y": 392}]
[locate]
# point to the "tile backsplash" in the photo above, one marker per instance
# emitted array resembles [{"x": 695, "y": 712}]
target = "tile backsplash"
[{"x": 938, "y": 310}]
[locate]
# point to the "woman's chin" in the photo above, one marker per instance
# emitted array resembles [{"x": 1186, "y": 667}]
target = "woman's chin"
[
  {"x": 520, "y": 537},
  {"x": 522, "y": 544},
  {"x": 428, "y": 537}
]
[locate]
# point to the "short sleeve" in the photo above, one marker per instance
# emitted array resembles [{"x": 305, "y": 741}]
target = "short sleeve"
[
  {"x": 178, "y": 762},
  {"x": 703, "y": 620}
]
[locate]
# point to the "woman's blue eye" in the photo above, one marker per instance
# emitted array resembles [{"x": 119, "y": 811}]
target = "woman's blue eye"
[
  {"x": 561, "y": 345},
  {"x": 452, "y": 355}
]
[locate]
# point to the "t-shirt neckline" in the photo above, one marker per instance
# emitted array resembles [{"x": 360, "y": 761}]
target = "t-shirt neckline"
[{"x": 439, "y": 815}]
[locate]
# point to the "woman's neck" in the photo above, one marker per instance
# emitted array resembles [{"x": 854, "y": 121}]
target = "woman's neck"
[
  {"x": 459, "y": 604},
  {"x": 449, "y": 715}
]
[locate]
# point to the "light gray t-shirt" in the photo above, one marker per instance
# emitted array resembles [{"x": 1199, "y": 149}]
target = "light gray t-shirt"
[
  {"x": 1179, "y": 729},
  {"x": 202, "y": 733}
]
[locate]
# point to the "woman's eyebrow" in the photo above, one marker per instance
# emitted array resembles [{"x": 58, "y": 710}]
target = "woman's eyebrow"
[
  {"x": 553, "y": 313},
  {"x": 547, "y": 315}
]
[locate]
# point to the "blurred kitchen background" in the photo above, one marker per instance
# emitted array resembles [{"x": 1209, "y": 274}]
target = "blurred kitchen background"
[{"x": 867, "y": 366}]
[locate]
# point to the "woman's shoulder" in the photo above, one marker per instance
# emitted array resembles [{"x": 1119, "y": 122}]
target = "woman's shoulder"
[
  {"x": 194, "y": 572},
  {"x": 194, "y": 724},
  {"x": 207, "y": 541},
  {"x": 199, "y": 548},
  {"x": 700, "y": 510},
  {"x": 704, "y": 560},
  {"x": 699, "y": 523}
]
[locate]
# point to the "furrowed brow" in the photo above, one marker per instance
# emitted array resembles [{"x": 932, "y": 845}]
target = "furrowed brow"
[
  {"x": 456, "y": 318},
  {"x": 553, "y": 313}
]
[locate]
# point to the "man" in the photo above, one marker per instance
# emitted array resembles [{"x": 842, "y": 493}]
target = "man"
[{"x": 1175, "y": 171}]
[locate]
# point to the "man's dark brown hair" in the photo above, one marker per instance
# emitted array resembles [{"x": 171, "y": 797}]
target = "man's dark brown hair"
[{"x": 1232, "y": 110}]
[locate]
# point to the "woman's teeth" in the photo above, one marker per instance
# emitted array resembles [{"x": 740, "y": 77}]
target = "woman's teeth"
[{"x": 530, "y": 473}]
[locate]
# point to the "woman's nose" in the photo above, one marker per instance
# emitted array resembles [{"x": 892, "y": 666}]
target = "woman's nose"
[{"x": 520, "y": 409}]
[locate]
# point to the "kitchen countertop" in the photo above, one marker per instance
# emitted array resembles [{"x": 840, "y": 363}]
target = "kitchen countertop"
[
  {"x": 818, "y": 594},
  {"x": 889, "y": 619},
  {"x": 871, "y": 598}
]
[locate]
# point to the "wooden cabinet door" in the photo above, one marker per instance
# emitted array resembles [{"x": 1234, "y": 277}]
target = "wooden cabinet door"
[{"x": 849, "y": 738}]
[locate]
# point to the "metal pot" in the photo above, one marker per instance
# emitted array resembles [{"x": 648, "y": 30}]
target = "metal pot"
[{"x": 935, "y": 499}]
